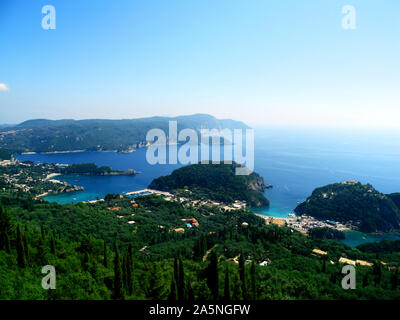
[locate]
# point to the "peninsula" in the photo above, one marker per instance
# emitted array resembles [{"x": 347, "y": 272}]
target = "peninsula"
[{"x": 216, "y": 182}]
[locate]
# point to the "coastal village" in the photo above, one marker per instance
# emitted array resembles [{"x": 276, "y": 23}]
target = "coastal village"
[
  {"x": 304, "y": 223},
  {"x": 36, "y": 179}
]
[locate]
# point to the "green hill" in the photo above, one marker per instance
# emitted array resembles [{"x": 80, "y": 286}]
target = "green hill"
[
  {"x": 355, "y": 203},
  {"x": 395, "y": 198},
  {"x": 43, "y": 135},
  {"x": 98, "y": 255},
  {"x": 216, "y": 182}
]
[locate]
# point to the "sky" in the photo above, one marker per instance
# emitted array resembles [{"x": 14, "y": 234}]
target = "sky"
[{"x": 275, "y": 62}]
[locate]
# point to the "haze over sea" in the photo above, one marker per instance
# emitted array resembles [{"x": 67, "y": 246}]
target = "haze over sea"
[{"x": 294, "y": 161}]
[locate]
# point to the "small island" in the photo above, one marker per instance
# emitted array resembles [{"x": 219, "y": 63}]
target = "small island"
[{"x": 91, "y": 169}]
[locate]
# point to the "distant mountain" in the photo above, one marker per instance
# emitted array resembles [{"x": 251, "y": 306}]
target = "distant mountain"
[
  {"x": 355, "y": 203},
  {"x": 42, "y": 135},
  {"x": 215, "y": 182}
]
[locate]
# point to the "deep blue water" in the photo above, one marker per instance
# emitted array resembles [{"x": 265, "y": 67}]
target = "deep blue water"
[{"x": 294, "y": 161}]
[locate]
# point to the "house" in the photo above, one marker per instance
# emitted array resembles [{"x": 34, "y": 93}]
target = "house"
[
  {"x": 320, "y": 252},
  {"x": 179, "y": 230},
  {"x": 347, "y": 261},
  {"x": 364, "y": 263},
  {"x": 191, "y": 222}
]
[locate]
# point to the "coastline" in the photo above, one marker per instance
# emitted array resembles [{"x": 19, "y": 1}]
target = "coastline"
[
  {"x": 51, "y": 175},
  {"x": 130, "y": 150}
]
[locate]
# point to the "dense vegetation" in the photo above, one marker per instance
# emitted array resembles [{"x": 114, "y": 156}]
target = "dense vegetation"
[
  {"x": 145, "y": 261},
  {"x": 395, "y": 198},
  {"x": 360, "y": 205},
  {"x": 326, "y": 233},
  {"x": 5, "y": 154},
  {"x": 98, "y": 135},
  {"x": 386, "y": 246},
  {"x": 216, "y": 182},
  {"x": 92, "y": 169}
]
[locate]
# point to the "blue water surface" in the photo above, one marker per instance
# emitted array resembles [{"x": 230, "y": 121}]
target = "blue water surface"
[{"x": 294, "y": 161}]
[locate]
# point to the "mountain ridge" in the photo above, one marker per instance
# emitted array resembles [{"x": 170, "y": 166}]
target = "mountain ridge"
[{"x": 43, "y": 135}]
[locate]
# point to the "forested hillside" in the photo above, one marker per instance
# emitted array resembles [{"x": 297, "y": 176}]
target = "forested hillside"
[
  {"x": 98, "y": 254},
  {"x": 355, "y": 203},
  {"x": 98, "y": 135},
  {"x": 216, "y": 182}
]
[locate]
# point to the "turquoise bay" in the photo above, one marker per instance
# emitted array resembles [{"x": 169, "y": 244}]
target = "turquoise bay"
[{"x": 294, "y": 161}]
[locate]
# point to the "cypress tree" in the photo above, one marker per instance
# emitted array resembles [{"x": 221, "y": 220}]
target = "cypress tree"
[
  {"x": 7, "y": 243},
  {"x": 253, "y": 281},
  {"x": 42, "y": 232},
  {"x": 212, "y": 275},
  {"x": 41, "y": 254},
  {"x": 118, "y": 290},
  {"x": 5, "y": 229},
  {"x": 176, "y": 270},
  {"x": 324, "y": 266},
  {"x": 227, "y": 289},
  {"x": 172, "y": 291},
  {"x": 394, "y": 279},
  {"x": 365, "y": 280},
  {"x": 125, "y": 273},
  {"x": 105, "y": 262},
  {"x": 181, "y": 281},
  {"x": 26, "y": 248},
  {"x": 52, "y": 245},
  {"x": 242, "y": 274},
  {"x": 190, "y": 292},
  {"x": 130, "y": 270},
  {"x": 20, "y": 249},
  {"x": 204, "y": 245},
  {"x": 377, "y": 272}
]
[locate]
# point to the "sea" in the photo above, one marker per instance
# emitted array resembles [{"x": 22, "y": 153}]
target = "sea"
[{"x": 293, "y": 160}]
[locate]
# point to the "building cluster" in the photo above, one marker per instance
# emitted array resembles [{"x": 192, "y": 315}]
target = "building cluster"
[
  {"x": 33, "y": 178},
  {"x": 187, "y": 202},
  {"x": 305, "y": 223},
  {"x": 343, "y": 260}
]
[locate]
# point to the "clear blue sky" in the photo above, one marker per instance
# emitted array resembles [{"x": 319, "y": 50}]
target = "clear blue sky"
[{"x": 260, "y": 61}]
